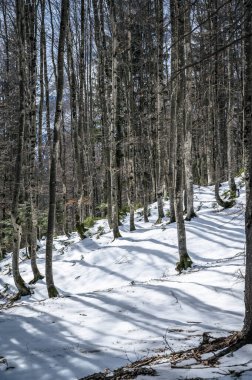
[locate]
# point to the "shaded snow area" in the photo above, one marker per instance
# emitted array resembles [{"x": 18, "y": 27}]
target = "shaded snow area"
[{"x": 123, "y": 300}]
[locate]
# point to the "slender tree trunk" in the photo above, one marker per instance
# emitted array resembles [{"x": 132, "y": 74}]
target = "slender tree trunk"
[
  {"x": 210, "y": 134},
  {"x": 171, "y": 147},
  {"x": 73, "y": 104},
  {"x": 160, "y": 101},
  {"x": 41, "y": 86},
  {"x": 19, "y": 282},
  {"x": 52, "y": 291},
  {"x": 211, "y": 104},
  {"x": 47, "y": 97},
  {"x": 32, "y": 42},
  {"x": 53, "y": 41},
  {"x": 247, "y": 327},
  {"x": 114, "y": 124},
  {"x": 188, "y": 119},
  {"x": 131, "y": 150},
  {"x": 82, "y": 125},
  {"x": 230, "y": 126},
  {"x": 177, "y": 20}
]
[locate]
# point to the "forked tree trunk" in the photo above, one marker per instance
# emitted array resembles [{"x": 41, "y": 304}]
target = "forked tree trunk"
[{"x": 52, "y": 291}]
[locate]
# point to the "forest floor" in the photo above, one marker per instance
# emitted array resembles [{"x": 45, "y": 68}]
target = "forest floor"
[{"x": 122, "y": 301}]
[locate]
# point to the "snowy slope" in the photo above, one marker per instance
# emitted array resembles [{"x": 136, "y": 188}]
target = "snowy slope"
[{"x": 123, "y": 300}]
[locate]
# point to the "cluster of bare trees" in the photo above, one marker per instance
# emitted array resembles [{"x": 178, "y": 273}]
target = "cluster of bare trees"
[{"x": 105, "y": 104}]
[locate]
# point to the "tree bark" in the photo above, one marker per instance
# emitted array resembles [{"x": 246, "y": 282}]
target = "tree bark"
[
  {"x": 131, "y": 150},
  {"x": 160, "y": 102},
  {"x": 177, "y": 20},
  {"x": 114, "y": 170},
  {"x": 52, "y": 291},
  {"x": 247, "y": 327},
  {"x": 19, "y": 282},
  {"x": 188, "y": 119},
  {"x": 32, "y": 41},
  {"x": 230, "y": 126}
]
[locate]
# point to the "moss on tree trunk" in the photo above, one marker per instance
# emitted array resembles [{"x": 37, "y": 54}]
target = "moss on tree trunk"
[{"x": 184, "y": 263}]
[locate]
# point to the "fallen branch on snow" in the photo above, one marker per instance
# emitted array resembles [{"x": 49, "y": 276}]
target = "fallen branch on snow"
[{"x": 217, "y": 347}]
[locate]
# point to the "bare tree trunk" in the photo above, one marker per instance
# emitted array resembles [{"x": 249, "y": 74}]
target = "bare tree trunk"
[
  {"x": 103, "y": 98},
  {"x": 82, "y": 125},
  {"x": 131, "y": 150},
  {"x": 177, "y": 20},
  {"x": 230, "y": 126},
  {"x": 171, "y": 147},
  {"x": 247, "y": 327},
  {"x": 52, "y": 291},
  {"x": 219, "y": 200},
  {"x": 210, "y": 135},
  {"x": 211, "y": 124},
  {"x": 53, "y": 41},
  {"x": 41, "y": 86},
  {"x": 73, "y": 104},
  {"x": 47, "y": 98},
  {"x": 114, "y": 123},
  {"x": 32, "y": 22},
  {"x": 188, "y": 119},
  {"x": 160, "y": 101},
  {"x": 19, "y": 282}
]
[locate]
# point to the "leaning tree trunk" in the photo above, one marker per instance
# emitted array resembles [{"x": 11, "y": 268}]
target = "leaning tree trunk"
[
  {"x": 23, "y": 290},
  {"x": 247, "y": 327},
  {"x": 177, "y": 21},
  {"x": 52, "y": 291}
]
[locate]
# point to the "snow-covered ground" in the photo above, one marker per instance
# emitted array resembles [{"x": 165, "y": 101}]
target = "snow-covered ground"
[{"x": 123, "y": 300}]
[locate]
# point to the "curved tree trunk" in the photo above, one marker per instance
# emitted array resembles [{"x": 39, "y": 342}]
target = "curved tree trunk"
[
  {"x": 219, "y": 200},
  {"x": 52, "y": 291}
]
